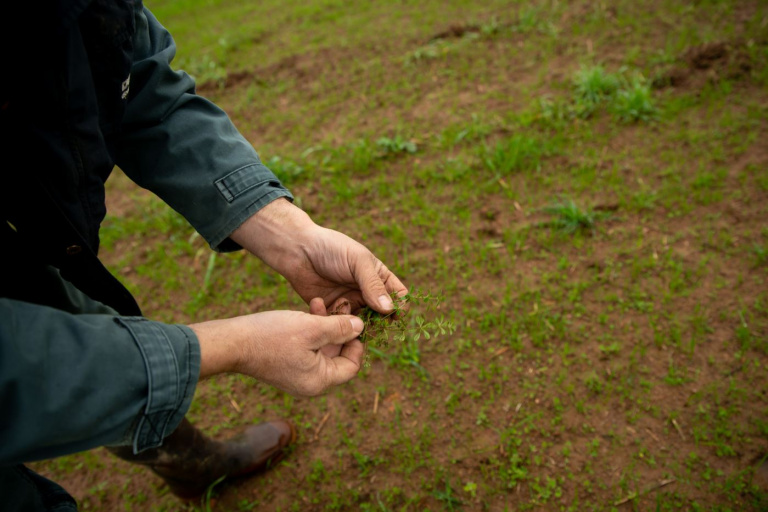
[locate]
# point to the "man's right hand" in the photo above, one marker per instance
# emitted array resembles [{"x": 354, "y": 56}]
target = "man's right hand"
[{"x": 283, "y": 348}]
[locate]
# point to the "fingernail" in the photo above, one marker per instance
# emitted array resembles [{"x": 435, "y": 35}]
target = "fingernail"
[
  {"x": 386, "y": 302},
  {"x": 357, "y": 324}
]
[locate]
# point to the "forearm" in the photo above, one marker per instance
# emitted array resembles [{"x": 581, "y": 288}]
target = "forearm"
[{"x": 73, "y": 382}]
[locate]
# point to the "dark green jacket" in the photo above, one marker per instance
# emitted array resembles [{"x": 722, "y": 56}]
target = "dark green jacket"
[{"x": 79, "y": 366}]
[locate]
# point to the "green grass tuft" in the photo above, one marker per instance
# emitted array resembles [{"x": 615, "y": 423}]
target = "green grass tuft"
[
  {"x": 569, "y": 218},
  {"x": 635, "y": 103},
  {"x": 593, "y": 86},
  {"x": 517, "y": 153}
]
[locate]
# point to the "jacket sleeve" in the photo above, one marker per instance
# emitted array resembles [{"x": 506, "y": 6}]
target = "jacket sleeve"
[
  {"x": 132, "y": 381},
  {"x": 184, "y": 148}
]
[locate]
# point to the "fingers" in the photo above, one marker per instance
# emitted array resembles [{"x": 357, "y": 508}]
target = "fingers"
[
  {"x": 371, "y": 275},
  {"x": 341, "y": 306},
  {"x": 353, "y": 351},
  {"x": 337, "y": 330},
  {"x": 345, "y": 361},
  {"x": 346, "y": 366},
  {"x": 317, "y": 307},
  {"x": 394, "y": 285}
]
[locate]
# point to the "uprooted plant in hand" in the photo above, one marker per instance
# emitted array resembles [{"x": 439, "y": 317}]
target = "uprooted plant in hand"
[{"x": 398, "y": 326}]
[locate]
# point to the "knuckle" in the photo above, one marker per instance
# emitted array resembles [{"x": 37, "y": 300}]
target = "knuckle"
[{"x": 345, "y": 327}]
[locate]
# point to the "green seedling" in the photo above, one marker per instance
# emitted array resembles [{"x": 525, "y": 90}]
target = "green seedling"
[
  {"x": 635, "y": 102},
  {"x": 760, "y": 253},
  {"x": 519, "y": 152},
  {"x": 429, "y": 51},
  {"x": 593, "y": 86},
  {"x": 398, "y": 327},
  {"x": 569, "y": 218},
  {"x": 285, "y": 170},
  {"x": 206, "y": 501},
  {"x": 448, "y": 498},
  {"x": 396, "y": 146}
]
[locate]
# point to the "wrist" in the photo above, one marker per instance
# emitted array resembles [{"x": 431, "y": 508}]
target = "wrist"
[
  {"x": 219, "y": 347},
  {"x": 277, "y": 234}
]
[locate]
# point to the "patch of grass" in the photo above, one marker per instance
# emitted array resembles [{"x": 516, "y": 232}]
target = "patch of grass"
[
  {"x": 286, "y": 171},
  {"x": 760, "y": 254},
  {"x": 447, "y": 497},
  {"x": 593, "y": 86},
  {"x": 396, "y": 145},
  {"x": 635, "y": 102},
  {"x": 404, "y": 330},
  {"x": 520, "y": 152},
  {"x": 570, "y": 218},
  {"x": 204, "y": 69},
  {"x": 533, "y": 19}
]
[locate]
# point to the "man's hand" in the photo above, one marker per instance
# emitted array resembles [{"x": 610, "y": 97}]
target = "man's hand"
[
  {"x": 287, "y": 349},
  {"x": 319, "y": 262}
]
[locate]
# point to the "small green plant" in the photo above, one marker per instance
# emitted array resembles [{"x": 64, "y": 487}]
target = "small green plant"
[
  {"x": 204, "y": 69},
  {"x": 743, "y": 334},
  {"x": 556, "y": 113},
  {"x": 545, "y": 489},
  {"x": 491, "y": 27},
  {"x": 396, "y": 145},
  {"x": 635, "y": 103},
  {"x": 451, "y": 502},
  {"x": 285, "y": 170},
  {"x": 318, "y": 473},
  {"x": 610, "y": 350},
  {"x": 530, "y": 19},
  {"x": 517, "y": 153},
  {"x": 403, "y": 329},
  {"x": 569, "y": 218},
  {"x": 407, "y": 355},
  {"x": 593, "y": 383},
  {"x": 359, "y": 156},
  {"x": 206, "y": 500},
  {"x": 429, "y": 51},
  {"x": 676, "y": 375},
  {"x": 594, "y": 447},
  {"x": 593, "y": 85},
  {"x": 760, "y": 253}
]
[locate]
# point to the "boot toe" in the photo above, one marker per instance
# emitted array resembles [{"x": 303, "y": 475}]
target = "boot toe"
[
  {"x": 190, "y": 462},
  {"x": 267, "y": 443}
]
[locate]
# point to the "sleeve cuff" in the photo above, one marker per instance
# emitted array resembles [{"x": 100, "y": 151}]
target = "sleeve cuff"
[
  {"x": 172, "y": 360},
  {"x": 222, "y": 243}
]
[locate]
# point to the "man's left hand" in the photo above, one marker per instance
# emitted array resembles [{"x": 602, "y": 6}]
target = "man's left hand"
[{"x": 319, "y": 262}]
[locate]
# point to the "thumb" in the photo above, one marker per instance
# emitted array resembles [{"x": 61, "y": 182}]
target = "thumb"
[
  {"x": 368, "y": 276},
  {"x": 345, "y": 366},
  {"x": 338, "y": 329}
]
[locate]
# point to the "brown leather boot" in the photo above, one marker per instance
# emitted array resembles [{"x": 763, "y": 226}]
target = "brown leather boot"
[{"x": 189, "y": 461}]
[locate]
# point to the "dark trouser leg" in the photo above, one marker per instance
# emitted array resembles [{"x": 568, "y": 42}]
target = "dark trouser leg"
[{"x": 189, "y": 461}]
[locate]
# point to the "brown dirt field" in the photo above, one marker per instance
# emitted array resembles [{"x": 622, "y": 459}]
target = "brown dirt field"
[{"x": 385, "y": 408}]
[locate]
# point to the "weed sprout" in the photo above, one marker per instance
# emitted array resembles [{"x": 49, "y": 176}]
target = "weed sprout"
[
  {"x": 594, "y": 85},
  {"x": 635, "y": 102},
  {"x": 403, "y": 329},
  {"x": 569, "y": 218}
]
